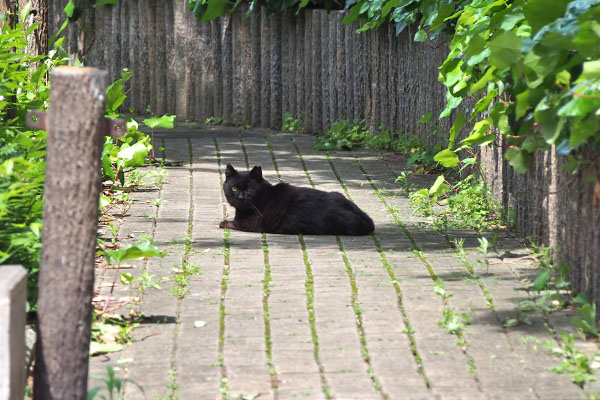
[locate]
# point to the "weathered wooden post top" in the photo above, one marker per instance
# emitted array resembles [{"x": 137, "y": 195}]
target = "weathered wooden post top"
[{"x": 76, "y": 127}]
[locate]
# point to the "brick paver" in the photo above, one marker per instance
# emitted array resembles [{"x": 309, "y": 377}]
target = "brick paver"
[{"x": 288, "y": 317}]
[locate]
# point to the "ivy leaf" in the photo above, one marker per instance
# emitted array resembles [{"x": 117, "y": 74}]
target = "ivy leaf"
[
  {"x": 133, "y": 156},
  {"x": 101, "y": 3},
  {"x": 591, "y": 70},
  {"x": 420, "y": 36},
  {"x": 519, "y": 159},
  {"x": 481, "y": 83},
  {"x": 457, "y": 126},
  {"x": 166, "y": 121},
  {"x": 505, "y": 50},
  {"x": 479, "y": 135},
  {"x": 352, "y": 15},
  {"x": 582, "y": 130},
  {"x": 143, "y": 249},
  {"x": 447, "y": 158},
  {"x": 539, "y": 13},
  {"x": 439, "y": 188},
  {"x": 580, "y": 105},
  {"x": 541, "y": 280},
  {"x": 451, "y": 103},
  {"x": 215, "y": 9},
  {"x": 114, "y": 96}
]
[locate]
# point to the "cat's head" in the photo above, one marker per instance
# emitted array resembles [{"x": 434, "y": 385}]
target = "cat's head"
[{"x": 243, "y": 188}]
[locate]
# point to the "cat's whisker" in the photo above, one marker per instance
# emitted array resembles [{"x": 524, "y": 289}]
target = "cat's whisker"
[{"x": 256, "y": 209}]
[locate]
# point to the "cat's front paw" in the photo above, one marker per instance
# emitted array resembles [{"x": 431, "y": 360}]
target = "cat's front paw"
[{"x": 226, "y": 224}]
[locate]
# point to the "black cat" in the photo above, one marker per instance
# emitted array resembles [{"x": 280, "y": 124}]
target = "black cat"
[{"x": 283, "y": 208}]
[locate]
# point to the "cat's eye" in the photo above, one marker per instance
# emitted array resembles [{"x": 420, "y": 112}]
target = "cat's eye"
[
  {"x": 248, "y": 190},
  {"x": 234, "y": 188}
]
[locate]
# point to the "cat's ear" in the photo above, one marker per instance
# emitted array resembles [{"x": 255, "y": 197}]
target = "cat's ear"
[
  {"x": 230, "y": 171},
  {"x": 256, "y": 172}
]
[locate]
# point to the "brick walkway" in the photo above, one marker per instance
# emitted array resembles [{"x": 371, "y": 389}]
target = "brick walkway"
[{"x": 288, "y": 317}]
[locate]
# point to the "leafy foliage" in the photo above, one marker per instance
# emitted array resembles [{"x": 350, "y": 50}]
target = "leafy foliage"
[
  {"x": 533, "y": 69},
  {"x": 347, "y": 135},
  {"x": 23, "y": 87}
]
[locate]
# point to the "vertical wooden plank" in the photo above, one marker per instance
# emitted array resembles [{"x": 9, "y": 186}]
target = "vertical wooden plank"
[
  {"x": 299, "y": 77},
  {"x": 317, "y": 81},
  {"x": 246, "y": 54},
  {"x": 208, "y": 75},
  {"x": 133, "y": 55},
  {"x": 358, "y": 47},
  {"x": 291, "y": 77},
  {"x": 340, "y": 68},
  {"x": 256, "y": 71},
  {"x": 275, "y": 81},
  {"x": 324, "y": 41},
  {"x": 152, "y": 56},
  {"x": 217, "y": 68},
  {"x": 265, "y": 70},
  {"x": 226, "y": 64},
  {"x": 171, "y": 86},
  {"x": 199, "y": 46},
  {"x": 236, "y": 62},
  {"x": 182, "y": 84},
  {"x": 160, "y": 64},
  {"x": 124, "y": 56},
  {"x": 348, "y": 60},
  {"x": 285, "y": 63},
  {"x": 142, "y": 44},
  {"x": 116, "y": 43}
]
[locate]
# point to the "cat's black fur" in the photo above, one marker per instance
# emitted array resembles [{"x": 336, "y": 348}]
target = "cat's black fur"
[{"x": 283, "y": 208}]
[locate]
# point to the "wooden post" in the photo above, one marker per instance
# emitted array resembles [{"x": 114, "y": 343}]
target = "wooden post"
[{"x": 76, "y": 128}]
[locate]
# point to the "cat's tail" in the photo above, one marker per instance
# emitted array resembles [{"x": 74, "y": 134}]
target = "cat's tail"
[{"x": 361, "y": 224}]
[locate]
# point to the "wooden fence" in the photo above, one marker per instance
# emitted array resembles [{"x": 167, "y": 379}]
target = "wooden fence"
[{"x": 256, "y": 69}]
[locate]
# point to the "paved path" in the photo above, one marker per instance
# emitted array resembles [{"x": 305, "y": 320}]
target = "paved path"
[{"x": 289, "y": 317}]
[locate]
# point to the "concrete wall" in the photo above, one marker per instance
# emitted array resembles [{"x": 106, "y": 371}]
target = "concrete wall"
[{"x": 13, "y": 294}]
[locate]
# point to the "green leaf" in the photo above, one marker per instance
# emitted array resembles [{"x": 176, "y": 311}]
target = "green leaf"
[
  {"x": 591, "y": 70},
  {"x": 439, "y": 188},
  {"x": 420, "y": 36},
  {"x": 352, "y": 15},
  {"x": 505, "y": 50},
  {"x": 447, "y": 158},
  {"x": 451, "y": 103},
  {"x": 540, "y": 13},
  {"x": 477, "y": 50},
  {"x": 215, "y": 9},
  {"x": 166, "y": 121},
  {"x": 104, "y": 348},
  {"x": 588, "y": 323},
  {"x": 479, "y": 135},
  {"x": 519, "y": 159},
  {"x": 541, "y": 280},
  {"x": 143, "y": 249},
  {"x": 582, "y": 130},
  {"x": 133, "y": 156},
  {"x": 457, "y": 126},
  {"x": 114, "y": 96},
  {"x": 101, "y": 3},
  {"x": 581, "y": 105},
  {"x": 425, "y": 118},
  {"x": 73, "y": 11},
  {"x": 125, "y": 278}
]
